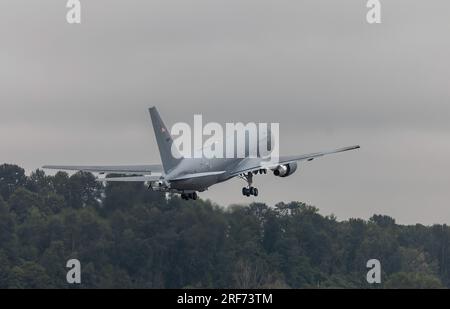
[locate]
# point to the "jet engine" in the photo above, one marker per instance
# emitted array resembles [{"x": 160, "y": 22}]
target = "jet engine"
[
  {"x": 285, "y": 170},
  {"x": 161, "y": 186}
]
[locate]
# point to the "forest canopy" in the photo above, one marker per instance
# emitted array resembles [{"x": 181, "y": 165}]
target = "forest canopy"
[{"x": 127, "y": 236}]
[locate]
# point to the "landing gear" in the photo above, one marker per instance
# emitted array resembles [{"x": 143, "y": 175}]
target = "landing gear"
[
  {"x": 249, "y": 190},
  {"x": 189, "y": 196}
]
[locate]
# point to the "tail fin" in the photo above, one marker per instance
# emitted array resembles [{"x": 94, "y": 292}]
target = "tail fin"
[{"x": 169, "y": 157}]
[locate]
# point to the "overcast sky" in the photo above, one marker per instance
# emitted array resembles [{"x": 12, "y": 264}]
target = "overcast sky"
[{"x": 78, "y": 94}]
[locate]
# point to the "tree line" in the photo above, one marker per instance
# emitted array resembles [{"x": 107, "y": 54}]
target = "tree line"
[{"x": 127, "y": 236}]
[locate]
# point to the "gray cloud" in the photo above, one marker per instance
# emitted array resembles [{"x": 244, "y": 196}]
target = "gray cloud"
[{"x": 79, "y": 94}]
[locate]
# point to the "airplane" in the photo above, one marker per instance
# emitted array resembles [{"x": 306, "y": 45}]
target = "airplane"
[{"x": 187, "y": 176}]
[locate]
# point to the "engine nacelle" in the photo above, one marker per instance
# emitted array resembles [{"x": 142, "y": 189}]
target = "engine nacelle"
[
  {"x": 160, "y": 186},
  {"x": 285, "y": 170}
]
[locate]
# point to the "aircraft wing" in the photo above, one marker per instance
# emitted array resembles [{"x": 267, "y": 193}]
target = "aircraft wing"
[
  {"x": 312, "y": 156},
  {"x": 253, "y": 164},
  {"x": 120, "y": 169},
  {"x": 130, "y": 179}
]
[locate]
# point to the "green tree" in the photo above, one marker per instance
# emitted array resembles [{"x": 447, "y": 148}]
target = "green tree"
[
  {"x": 11, "y": 178},
  {"x": 83, "y": 190},
  {"x": 127, "y": 236},
  {"x": 416, "y": 280},
  {"x": 39, "y": 182},
  {"x": 22, "y": 201},
  {"x": 7, "y": 227},
  {"x": 29, "y": 275},
  {"x": 5, "y": 267}
]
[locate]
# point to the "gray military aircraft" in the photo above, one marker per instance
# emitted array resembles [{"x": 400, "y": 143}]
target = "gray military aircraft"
[{"x": 188, "y": 176}]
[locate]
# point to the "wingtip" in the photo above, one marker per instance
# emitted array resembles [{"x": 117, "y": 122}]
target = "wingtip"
[
  {"x": 353, "y": 147},
  {"x": 349, "y": 148}
]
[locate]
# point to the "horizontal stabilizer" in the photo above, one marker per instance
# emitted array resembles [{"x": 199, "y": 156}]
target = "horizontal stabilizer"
[{"x": 120, "y": 169}]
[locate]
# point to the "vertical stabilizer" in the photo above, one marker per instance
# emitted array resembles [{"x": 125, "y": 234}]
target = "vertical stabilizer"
[{"x": 169, "y": 157}]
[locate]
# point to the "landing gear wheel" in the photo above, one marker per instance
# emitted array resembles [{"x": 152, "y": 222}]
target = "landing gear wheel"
[
  {"x": 250, "y": 191},
  {"x": 194, "y": 196},
  {"x": 245, "y": 191},
  {"x": 255, "y": 192}
]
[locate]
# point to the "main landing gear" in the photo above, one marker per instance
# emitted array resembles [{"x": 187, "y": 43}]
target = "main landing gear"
[
  {"x": 249, "y": 190},
  {"x": 189, "y": 196}
]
